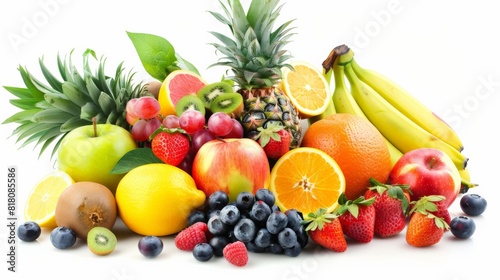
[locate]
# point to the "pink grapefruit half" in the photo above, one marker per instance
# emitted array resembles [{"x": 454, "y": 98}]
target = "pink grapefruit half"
[{"x": 177, "y": 84}]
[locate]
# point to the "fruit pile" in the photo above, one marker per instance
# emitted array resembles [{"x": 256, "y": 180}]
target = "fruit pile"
[{"x": 264, "y": 160}]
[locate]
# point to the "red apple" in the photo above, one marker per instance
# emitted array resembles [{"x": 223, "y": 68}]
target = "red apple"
[
  {"x": 232, "y": 165},
  {"x": 428, "y": 172}
]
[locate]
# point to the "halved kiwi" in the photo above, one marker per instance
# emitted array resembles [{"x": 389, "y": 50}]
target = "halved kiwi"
[
  {"x": 230, "y": 103},
  {"x": 189, "y": 102},
  {"x": 101, "y": 241},
  {"x": 211, "y": 91}
]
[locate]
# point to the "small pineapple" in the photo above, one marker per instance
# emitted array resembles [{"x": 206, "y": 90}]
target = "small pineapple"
[
  {"x": 256, "y": 58},
  {"x": 49, "y": 112}
]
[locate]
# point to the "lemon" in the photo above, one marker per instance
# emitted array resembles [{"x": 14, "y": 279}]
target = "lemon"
[
  {"x": 156, "y": 199},
  {"x": 307, "y": 88},
  {"x": 41, "y": 203}
]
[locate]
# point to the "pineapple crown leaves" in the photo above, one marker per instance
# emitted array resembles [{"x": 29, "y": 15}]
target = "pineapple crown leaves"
[
  {"x": 317, "y": 220},
  {"x": 395, "y": 191},
  {"x": 255, "y": 54},
  {"x": 268, "y": 133},
  {"x": 352, "y": 206},
  {"x": 425, "y": 205},
  {"x": 52, "y": 109}
]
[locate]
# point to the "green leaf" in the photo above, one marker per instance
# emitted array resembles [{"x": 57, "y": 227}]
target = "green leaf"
[
  {"x": 133, "y": 159},
  {"x": 156, "y": 53},
  {"x": 184, "y": 64}
]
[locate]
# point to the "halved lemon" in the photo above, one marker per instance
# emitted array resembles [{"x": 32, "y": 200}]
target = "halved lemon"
[
  {"x": 307, "y": 88},
  {"x": 306, "y": 179},
  {"x": 41, "y": 203}
]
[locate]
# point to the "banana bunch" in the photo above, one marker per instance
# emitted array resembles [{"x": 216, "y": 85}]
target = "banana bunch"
[{"x": 405, "y": 122}]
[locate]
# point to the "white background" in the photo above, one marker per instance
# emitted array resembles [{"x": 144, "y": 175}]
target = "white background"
[{"x": 445, "y": 53}]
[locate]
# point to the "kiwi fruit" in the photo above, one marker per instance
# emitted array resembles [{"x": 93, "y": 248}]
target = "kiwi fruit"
[
  {"x": 230, "y": 103},
  {"x": 85, "y": 205},
  {"x": 153, "y": 88},
  {"x": 211, "y": 91},
  {"x": 189, "y": 102},
  {"x": 101, "y": 241}
]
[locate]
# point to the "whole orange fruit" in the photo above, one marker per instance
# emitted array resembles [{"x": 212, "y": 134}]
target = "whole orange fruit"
[{"x": 357, "y": 147}]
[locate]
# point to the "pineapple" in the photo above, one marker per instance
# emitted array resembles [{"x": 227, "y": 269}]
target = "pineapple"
[
  {"x": 49, "y": 112},
  {"x": 256, "y": 58}
]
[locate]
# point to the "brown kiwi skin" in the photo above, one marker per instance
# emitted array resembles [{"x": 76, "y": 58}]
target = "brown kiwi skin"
[
  {"x": 153, "y": 88},
  {"x": 85, "y": 205}
]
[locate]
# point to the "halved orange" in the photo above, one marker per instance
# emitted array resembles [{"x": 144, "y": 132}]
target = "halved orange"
[
  {"x": 307, "y": 88},
  {"x": 41, "y": 203},
  {"x": 306, "y": 179},
  {"x": 176, "y": 85}
]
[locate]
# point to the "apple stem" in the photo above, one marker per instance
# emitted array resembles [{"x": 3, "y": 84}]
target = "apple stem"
[{"x": 94, "y": 123}]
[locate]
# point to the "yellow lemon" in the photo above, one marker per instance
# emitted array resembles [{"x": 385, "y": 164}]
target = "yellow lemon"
[
  {"x": 41, "y": 203},
  {"x": 307, "y": 88},
  {"x": 156, "y": 199}
]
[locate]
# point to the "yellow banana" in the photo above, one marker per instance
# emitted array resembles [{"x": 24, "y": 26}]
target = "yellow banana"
[
  {"x": 398, "y": 129},
  {"x": 408, "y": 105},
  {"x": 345, "y": 103},
  {"x": 466, "y": 182}
]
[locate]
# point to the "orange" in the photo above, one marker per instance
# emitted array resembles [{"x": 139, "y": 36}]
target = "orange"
[
  {"x": 41, "y": 203},
  {"x": 157, "y": 198},
  {"x": 356, "y": 145},
  {"x": 307, "y": 88},
  {"x": 306, "y": 179},
  {"x": 176, "y": 85}
]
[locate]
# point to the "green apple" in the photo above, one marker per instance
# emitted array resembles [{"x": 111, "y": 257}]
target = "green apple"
[{"x": 89, "y": 153}]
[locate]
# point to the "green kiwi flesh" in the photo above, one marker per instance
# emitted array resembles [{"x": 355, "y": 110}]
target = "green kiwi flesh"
[
  {"x": 189, "y": 102},
  {"x": 101, "y": 241},
  {"x": 211, "y": 91},
  {"x": 229, "y": 103}
]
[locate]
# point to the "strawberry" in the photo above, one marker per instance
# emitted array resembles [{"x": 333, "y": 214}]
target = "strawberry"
[
  {"x": 189, "y": 237},
  {"x": 325, "y": 230},
  {"x": 425, "y": 229},
  {"x": 435, "y": 204},
  {"x": 170, "y": 145},
  {"x": 275, "y": 140},
  {"x": 357, "y": 218},
  {"x": 236, "y": 253},
  {"x": 391, "y": 206}
]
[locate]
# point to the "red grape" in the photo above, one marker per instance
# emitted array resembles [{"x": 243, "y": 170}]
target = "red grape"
[
  {"x": 220, "y": 123},
  {"x": 171, "y": 121},
  {"x": 192, "y": 121},
  {"x": 147, "y": 107},
  {"x": 236, "y": 130},
  {"x": 201, "y": 137},
  {"x": 139, "y": 131}
]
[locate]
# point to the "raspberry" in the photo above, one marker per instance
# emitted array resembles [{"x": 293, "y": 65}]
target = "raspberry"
[
  {"x": 236, "y": 253},
  {"x": 190, "y": 237}
]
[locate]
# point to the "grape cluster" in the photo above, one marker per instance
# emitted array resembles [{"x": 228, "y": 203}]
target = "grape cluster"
[{"x": 254, "y": 220}]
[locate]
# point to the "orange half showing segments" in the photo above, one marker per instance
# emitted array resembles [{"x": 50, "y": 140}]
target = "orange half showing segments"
[{"x": 306, "y": 179}]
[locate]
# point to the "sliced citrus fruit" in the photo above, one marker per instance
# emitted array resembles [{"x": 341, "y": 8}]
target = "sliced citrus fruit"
[
  {"x": 176, "y": 85},
  {"x": 306, "y": 179},
  {"x": 41, "y": 203},
  {"x": 307, "y": 88}
]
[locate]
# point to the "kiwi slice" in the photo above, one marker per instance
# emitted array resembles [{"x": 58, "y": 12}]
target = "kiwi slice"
[
  {"x": 101, "y": 241},
  {"x": 189, "y": 102},
  {"x": 211, "y": 91},
  {"x": 230, "y": 103}
]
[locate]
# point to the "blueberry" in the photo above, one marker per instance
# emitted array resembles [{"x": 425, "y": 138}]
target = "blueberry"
[
  {"x": 212, "y": 213},
  {"x": 216, "y": 226},
  {"x": 276, "y": 222},
  {"x": 245, "y": 230},
  {"x": 217, "y": 200},
  {"x": 294, "y": 219},
  {"x": 230, "y": 214},
  {"x": 218, "y": 243},
  {"x": 473, "y": 204},
  {"x": 293, "y": 251},
  {"x": 203, "y": 252},
  {"x": 275, "y": 248},
  {"x": 245, "y": 200},
  {"x": 462, "y": 227},
  {"x": 252, "y": 247},
  {"x": 62, "y": 237},
  {"x": 29, "y": 231},
  {"x": 265, "y": 195},
  {"x": 263, "y": 238},
  {"x": 302, "y": 236},
  {"x": 287, "y": 238},
  {"x": 196, "y": 216},
  {"x": 260, "y": 212},
  {"x": 150, "y": 246}
]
